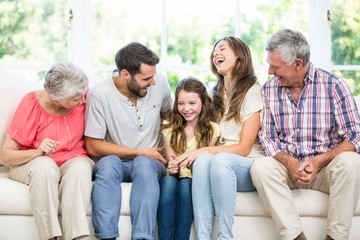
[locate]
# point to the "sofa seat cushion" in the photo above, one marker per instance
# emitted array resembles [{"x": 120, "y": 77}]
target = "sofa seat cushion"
[
  {"x": 308, "y": 203},
  {"x": 4, "y": 171},
  {"x": 14, "y": 198}
]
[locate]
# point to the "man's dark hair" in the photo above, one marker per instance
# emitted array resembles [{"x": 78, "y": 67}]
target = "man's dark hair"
[{"x": 132, "y": 55}]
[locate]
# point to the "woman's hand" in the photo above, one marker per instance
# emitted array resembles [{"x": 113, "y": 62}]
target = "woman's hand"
[
  {"x": 188, "y": 158},
  {"x": 48, "y": 146}
]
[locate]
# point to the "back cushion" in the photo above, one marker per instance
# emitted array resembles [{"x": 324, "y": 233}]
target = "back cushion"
[{"x": 12, "y": 88}]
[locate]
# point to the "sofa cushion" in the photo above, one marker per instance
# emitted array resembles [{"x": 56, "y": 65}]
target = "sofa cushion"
[
  {"x": 4, "y": 171},
  {"x": 13, "y": 88},
  {"x": 15, "y": 200},
  {"x": 308, "y": 203}
]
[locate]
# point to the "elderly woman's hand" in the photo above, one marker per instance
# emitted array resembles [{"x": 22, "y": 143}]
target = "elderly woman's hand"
[{"x": 48, "y": 146}]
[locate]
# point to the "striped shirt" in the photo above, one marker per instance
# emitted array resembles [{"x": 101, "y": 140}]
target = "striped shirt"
[{"x": 325, "y": 115}]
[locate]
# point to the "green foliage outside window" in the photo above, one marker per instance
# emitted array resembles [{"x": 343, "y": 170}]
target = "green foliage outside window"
[
  {"x": 345, "y": 36},
  {"x": 34, "y": 33}
]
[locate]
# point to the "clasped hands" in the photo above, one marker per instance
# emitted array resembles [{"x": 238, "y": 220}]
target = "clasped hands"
[{"x": 304, "y": 173}]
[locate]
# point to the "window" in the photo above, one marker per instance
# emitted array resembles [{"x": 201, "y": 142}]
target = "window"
[
  {"x": 124, "y": 21},
  {"x": 345, "y": 39},
  {"x": 182, "y": 33},
  {"x": 258, "y": 20},
  {"x": 33, "y": 33}
]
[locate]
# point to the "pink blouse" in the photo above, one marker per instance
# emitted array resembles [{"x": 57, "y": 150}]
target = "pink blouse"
[{"x": 31, "y": 124}]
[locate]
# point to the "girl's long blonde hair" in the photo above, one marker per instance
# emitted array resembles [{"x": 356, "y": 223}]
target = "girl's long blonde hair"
[{"x": 204, "y": 131}]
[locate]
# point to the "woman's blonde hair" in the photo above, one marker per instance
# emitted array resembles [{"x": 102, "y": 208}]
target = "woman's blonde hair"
[{"x": 243, "y": 79}]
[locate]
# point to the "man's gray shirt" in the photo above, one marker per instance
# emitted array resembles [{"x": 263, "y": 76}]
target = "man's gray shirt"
[{"x": 111, "y": 116}]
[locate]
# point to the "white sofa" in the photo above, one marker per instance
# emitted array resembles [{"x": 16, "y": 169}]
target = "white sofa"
[{"x": 252, "y": 221}]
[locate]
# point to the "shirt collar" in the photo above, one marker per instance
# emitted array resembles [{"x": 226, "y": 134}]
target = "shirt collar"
[{"x": 310, "y": 75}]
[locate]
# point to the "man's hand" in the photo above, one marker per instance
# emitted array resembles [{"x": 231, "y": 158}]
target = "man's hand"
[
  {"x": 154, "y": 153},
  {"x": 302, "y": 173},
  {"x": 293, "y": 168},
  {"x": 311, "y": 168}
]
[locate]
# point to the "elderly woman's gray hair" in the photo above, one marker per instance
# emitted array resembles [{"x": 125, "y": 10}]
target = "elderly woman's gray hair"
[
  {"x": 65, "y": 80},
  {"x": 291, "y": 45}
]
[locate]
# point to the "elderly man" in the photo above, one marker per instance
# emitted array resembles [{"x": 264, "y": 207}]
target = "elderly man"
[{"x": 311, "y": 133}]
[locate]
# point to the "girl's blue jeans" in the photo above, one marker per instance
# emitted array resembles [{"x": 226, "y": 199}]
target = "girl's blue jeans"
[{"x": 175, "y": 211}]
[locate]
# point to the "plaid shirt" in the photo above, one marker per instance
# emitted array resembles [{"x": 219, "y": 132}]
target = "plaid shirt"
[{"x": 325, "y": 115}]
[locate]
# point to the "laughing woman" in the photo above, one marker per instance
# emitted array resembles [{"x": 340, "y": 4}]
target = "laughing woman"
[{"x": 222, "y": 170}]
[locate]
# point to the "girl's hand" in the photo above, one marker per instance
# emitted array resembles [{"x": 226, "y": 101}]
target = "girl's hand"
[
  {"x": 173, "y": 167},
  {"x": 48, "y": 146}
]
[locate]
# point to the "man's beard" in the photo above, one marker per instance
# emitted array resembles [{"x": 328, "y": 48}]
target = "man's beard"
[{"x": 135, "y": 89}]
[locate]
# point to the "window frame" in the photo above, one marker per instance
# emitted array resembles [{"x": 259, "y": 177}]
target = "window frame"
[{"x": 79, "y": 39}]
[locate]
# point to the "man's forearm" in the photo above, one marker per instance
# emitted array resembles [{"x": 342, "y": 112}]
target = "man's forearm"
[{"x": 326, "y": 157}]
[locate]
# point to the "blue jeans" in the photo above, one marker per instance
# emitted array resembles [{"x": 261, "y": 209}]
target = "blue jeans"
[
  {"x": 144, "y": 173},
  {"x": 175, "y": 212},
  {"x": 216, "y": 179}
]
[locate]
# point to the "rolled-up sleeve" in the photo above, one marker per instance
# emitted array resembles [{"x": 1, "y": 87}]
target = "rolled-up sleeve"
[{"x": 347, "y": 115}]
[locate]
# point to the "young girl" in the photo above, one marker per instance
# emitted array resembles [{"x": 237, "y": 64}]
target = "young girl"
[{"x": 189, "y": 127}]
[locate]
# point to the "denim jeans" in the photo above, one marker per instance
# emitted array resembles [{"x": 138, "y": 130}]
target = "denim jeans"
[
  {"x": 216, "y": 179},
  {"x": 144, "y": 173},
  {"x": 175, "y": 212}
]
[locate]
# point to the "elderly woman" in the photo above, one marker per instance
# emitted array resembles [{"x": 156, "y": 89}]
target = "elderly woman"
[{"x": 44, "y": 149}]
